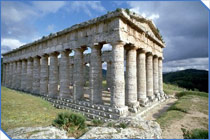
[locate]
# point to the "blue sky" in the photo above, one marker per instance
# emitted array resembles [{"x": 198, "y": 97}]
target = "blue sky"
[{"x": 184, "y": 25}]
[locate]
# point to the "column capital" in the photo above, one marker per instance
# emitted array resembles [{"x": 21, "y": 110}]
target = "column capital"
[
  {"x": 141, "y": 50},
  {"x": 66, "y": 51},
  {"x": 114, "y": 43},
  {"x": 149, "y": 53},
  {"x": 54, "y": 54}
]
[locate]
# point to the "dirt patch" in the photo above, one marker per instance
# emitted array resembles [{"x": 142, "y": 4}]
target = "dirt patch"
[
  {"x": 154, "y": 113},
  {"x": 191, "y": 120}
]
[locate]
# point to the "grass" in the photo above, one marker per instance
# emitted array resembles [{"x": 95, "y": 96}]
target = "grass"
[
  {"x": 188, "y": 102},
  {"x": 23, "y": 110},
  {"x": 172, "y": 89},
  {"x": 195, "y": 134}
]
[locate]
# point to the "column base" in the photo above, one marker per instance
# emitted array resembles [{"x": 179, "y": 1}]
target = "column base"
[
  {"x": 151, "y": 98},
  {"x": 134, "y": 107},
  {"x": 123, "y": 111},
  {"x": 143, "y": 102}
]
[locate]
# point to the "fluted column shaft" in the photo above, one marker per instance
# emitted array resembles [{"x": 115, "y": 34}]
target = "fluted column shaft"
[
  {"x": 109, "y": 75},
  {"x": 118, "y": 79},
  {"x": 23, "y": 75},
  {"x": 64, "y": 74},
  {"x": 36, "y": 75},
  {"x": 131, "y": 78},
  {"x": 10, "y": 74},
  {"x": 29, "y": 74},
  {"x": 141, "y": 77},
  {"x": 71, "y": 71},
  {"x": 95, "y": 75},
  {"x": 78, "y": 75},
  {"x": 44, "y": 75},
  {"x": 19, "y": 75},
  {"x": 7, "y": 75},
  {"x": 160, "y": 73},
  {"x": 4, "y": 74},
  {"x": 150, "y": 76},
  {"x": 14, "y": 64},
  {"x": 155, "y": 76},
  {"x": 53, "y": 76}
]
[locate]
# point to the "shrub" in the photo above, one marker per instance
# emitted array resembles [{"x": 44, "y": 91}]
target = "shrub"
[
  {"x": 118, "y": 9},
  {"x": 195, "y": 134},
  {"x": 123, "y": 125},
  {"x": 70, "y": 121},
  {"x": 110, "y": 124},
  {"x": 127, "y": 11},
  {"x": 97, "y": 122}
]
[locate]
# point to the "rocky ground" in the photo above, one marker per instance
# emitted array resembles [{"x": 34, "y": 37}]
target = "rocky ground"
[
  {"x": 37, "y": 133},
  {"x": 133, "y": 128}
]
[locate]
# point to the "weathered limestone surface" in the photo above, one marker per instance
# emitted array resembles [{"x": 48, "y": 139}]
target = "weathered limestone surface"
[
  {"x": 23, "y": 75},
  {"x": 131, "y": 79},
  {"x": 150, "y": 93},
  {"x": 160, "y": 65},
  {"x": 109, "y": 75},
  {"x": 141, "y": 77},
  {"x": 96, "y": 75},
  {"x": 36, "y": 75},
  {"x": 53, "y": 75},
  {"x": 14, "y": 65},
  {"x": 56, "y": 74},
  {"x": 78, "y": 74},
  {"x": 29, "y": 75},
  {"x": 44, "y": 75},
  {"x": 118, "y": 79},
  {"x": 18, "y": 80},
  {"x": 64, "y": 75},
  {"x": 155, "y": 78}
]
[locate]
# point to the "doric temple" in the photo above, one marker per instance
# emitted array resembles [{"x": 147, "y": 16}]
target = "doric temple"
[{"x": 56, "y": 68}]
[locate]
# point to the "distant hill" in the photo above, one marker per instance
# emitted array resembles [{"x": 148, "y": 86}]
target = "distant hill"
[{"x": 189, "y": 79}]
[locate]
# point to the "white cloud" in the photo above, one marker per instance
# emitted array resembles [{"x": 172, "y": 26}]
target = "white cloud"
[
  {"x": 191, "y": 63},
  {"x": 12, "y": 43},
  {"x": 48, "y": 6},
  {"x": 154, "y": 16},
  {"x": 86, "y": 6}
]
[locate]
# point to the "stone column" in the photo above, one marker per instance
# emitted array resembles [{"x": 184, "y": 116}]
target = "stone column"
[
  {"x": 155, "y": 76},
  {"x": 23, "y": 75},
  {"x": 118, "y": 79},
  {"x": 4, "y": 74},
  {"x": 78, "y": 74},
  {"x": 71, "y": 70},
  {"x": 64, "y": 74},
  {"x": 141, "y": 78},
  {"x": 160, "y": 74},
  {"x": 44, "y": 75},
  {"x": 10, "y": 75},
  {"x": 14, "y": 64},
  {"x": 131, "y": 78},
  {"x": 36, "y": 75},
  {"x": 7, "y": 75},
  {"x": 109, "y": 75},
  {"x": 53, "y": 75},
  {"x": 96, "y": 75},
  {"x": 19, "y": 75},
  {"x": 150, "y": 94},
  {"x": 29, "y": 74}
]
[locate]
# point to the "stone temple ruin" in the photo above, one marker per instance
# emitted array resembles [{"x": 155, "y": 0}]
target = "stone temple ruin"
[{"x": 134, "y": 66}]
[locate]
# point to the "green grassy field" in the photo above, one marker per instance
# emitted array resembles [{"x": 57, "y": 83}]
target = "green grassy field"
[{"x": 23, "y": 110}]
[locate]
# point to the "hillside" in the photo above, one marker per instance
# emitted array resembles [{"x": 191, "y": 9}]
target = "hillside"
[{"x": 190, "y": 79}]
